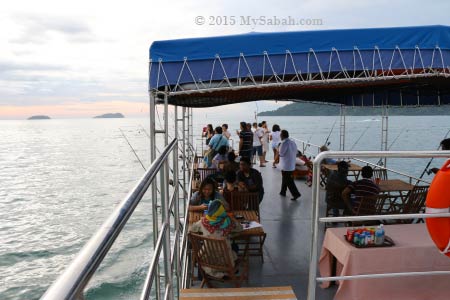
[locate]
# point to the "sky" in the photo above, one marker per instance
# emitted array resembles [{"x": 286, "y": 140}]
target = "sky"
[{"x": 70, "y": 59}]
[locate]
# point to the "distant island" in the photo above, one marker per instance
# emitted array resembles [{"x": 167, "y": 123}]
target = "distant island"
[
  {"x": 109, "y": 116},
  {"x": 314, "y": 109},
  {"x": 39, "y": 117}
]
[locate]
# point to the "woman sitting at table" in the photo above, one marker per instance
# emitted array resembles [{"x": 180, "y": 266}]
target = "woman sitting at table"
[
  {"x": 217, "y": 223},
  {"x": 206, "y": 193},
  {"x": 231, "y": 165},
  {"x": 220, "y": 158}
]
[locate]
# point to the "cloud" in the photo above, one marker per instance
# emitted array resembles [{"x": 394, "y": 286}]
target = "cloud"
[
  {"x": 8, "y": 67},
  {"x": 38, "y": 29}
]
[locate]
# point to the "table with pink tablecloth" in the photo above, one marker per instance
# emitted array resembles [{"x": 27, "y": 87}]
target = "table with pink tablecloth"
[{"x": 414, "y": 251}]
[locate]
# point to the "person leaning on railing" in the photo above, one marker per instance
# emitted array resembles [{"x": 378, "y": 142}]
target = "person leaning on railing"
[{"x": 445, "y": 145}]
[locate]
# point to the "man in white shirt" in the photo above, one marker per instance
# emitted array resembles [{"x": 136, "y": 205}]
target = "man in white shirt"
[
  {"x": 288, "y": 153},
  {"x": 258, "y": 133}
]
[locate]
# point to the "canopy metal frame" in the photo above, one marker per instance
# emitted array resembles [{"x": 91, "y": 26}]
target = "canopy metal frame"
[{"x": 189, "y": 88}]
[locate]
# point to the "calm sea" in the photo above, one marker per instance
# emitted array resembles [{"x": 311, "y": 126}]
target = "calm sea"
[{"x": 60, "y": 179}]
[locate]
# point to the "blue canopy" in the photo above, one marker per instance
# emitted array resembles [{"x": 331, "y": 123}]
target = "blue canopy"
[{"x": 345, "y": 63}]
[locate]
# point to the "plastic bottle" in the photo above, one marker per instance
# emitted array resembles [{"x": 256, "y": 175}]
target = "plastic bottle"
[
  {"x": 379, "y": 235},
  {"x": 352, "y": 198},
  {"x": 356, "y": 238}
]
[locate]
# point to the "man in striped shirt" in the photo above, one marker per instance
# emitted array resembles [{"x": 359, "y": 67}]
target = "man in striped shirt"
[
  {"x": 245, "y": 141},
  {"x": 361, "y": 188}
]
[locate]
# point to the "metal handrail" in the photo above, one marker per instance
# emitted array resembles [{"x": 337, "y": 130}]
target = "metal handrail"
[
  {"x": 315, "y": 198},
  {"x": 368, "y": 163},
  {"x": 71, "y": 283},
  {"x": 184, "y": 253},
  {"x": 154, "y": 263}
]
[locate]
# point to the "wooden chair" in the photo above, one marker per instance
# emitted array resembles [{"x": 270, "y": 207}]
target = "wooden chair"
[
  {"x": 370, "y": 205},
  {"x": 415, "y": 203},
  {"x": 214, "y": 253},
  {"x": 380, "y": 173},
  {"x": 245, "y": 201},
  {"x": 248, "y": 201},
  {"x": 205, "y": 172}
]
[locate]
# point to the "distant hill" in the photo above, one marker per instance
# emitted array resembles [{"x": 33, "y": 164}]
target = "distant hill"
[
  {"x": 313, "y": 109},
  {"x": 39, "y": 117},
  {"x": 110, "y": 116}
]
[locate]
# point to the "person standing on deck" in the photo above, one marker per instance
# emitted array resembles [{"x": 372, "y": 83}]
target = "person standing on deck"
[
  {"x": 258, "y": 134},
  {"x": 225, "y": 131},
  {"x": 276, "y": 140},
  {"x": 265, "y": 140},
  {"x": 288, "y": 153},
  {"x": 245, "y": 141}
]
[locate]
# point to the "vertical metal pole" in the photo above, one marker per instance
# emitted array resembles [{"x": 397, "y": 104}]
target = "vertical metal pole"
[
  {"x": 314, "y": 229},
  {"x": 342, "y": 129},
  {"x": 384, "y": 130},
  {"x": 176, "y": 198},
  {"x": 165, "y": 208},
  {"x": 154, "y": 185},
  {"x": 191, "y": 130},
  {"x": 185, "y": 152}
]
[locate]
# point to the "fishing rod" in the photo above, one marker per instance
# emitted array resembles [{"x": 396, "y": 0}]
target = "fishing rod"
[
  {"x": 135, "y": 154},
  {"x": 380, "y": 162},
  {"x": 329, "y": 135},
  {"x": 431, "y": 160},
  {"x": 170, "y": 181},
  {"x": 159, "y": 152},
  {"x": 362, "y": 134},
  {"x": 306, "y": 146}
]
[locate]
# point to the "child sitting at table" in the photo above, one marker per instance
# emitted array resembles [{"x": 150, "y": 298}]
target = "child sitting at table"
[{"x": 217, "y": 223}]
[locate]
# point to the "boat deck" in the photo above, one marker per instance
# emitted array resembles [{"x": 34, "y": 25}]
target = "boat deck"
[
  {"x": 287, "y": 246},
  {"x": 287, "y": 224}
]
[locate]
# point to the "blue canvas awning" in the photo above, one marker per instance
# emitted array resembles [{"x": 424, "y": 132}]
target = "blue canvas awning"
[{"x": 395, "y": 66}]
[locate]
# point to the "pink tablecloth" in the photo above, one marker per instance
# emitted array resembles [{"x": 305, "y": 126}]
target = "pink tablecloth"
[{"x": 414, "y": 252}]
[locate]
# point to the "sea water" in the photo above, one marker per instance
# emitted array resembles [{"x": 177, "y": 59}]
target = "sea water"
[{"x": 60, "y": 179}]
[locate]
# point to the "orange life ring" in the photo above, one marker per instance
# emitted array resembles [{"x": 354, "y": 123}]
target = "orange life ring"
[{"x": 438, "y": 201}]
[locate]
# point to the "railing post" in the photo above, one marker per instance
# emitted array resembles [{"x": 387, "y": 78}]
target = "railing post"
[
  {"x": 314, "y": 227},
  {"x": 384, "y": 131},
  {"x": 185, "y": 151},
  {"x": 165, "y": 207},
  {"x": 154, "y": 184},
  {"x": 176, "y": 209},
  {"x": 342, "y": 129}
]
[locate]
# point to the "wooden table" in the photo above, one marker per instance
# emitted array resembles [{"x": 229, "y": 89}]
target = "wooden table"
[
  {"x": 326, "y": 169},
  {"x": 277, "y": 292},
  {"x": 414, "y": 251},
  {"x": 395, "y": 189},
  {"x": 249, "y": 215}
]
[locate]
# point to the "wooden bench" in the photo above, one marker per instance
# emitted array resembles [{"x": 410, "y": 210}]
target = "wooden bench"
[{"x": 277, "y": 292}]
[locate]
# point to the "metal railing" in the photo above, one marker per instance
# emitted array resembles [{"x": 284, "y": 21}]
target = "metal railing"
[
  {"x": 201, "y": 146},
  {"x": 315, "y": 213},
  {"x": 306, "y": 145},
  {"x": 71, "y": 284}
]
